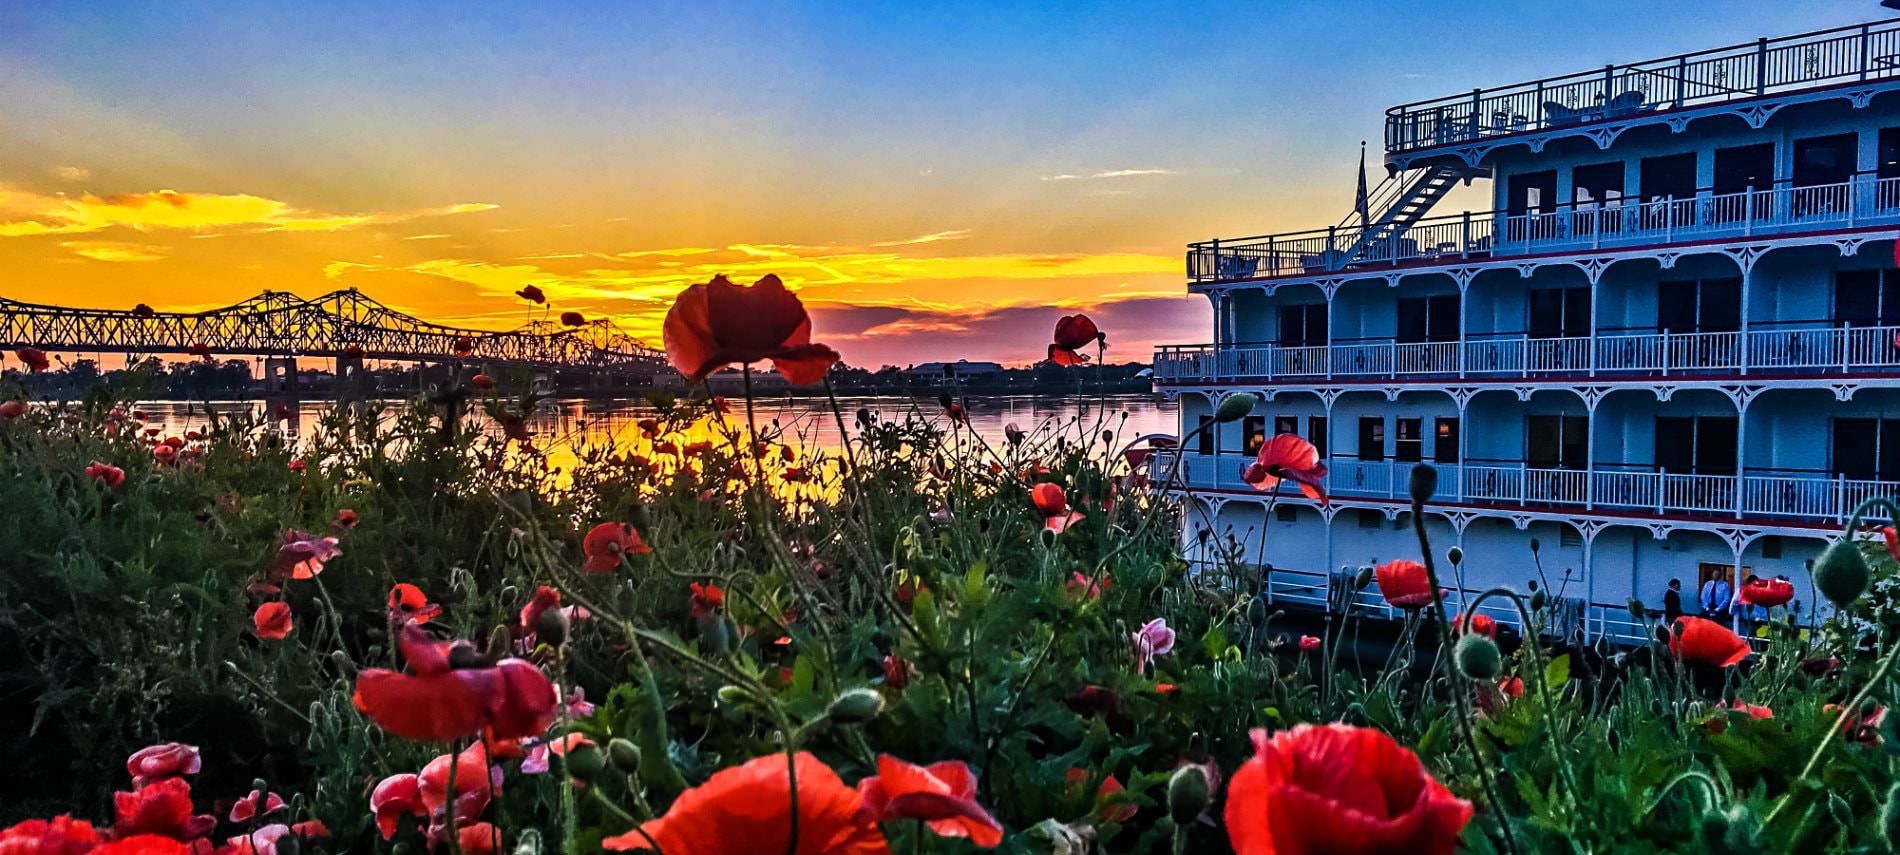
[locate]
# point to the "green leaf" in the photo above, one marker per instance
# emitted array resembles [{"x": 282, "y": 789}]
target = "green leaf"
[
  {"x": 976, "y": 590},
  {"x": 1557, "y": 673},
  {"x": 1215, "y": 642}
]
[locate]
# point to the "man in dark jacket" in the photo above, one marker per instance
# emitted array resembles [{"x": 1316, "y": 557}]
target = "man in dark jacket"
[{"x": 1672, "y": 601}]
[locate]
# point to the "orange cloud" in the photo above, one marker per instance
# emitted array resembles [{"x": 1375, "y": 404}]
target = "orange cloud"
[
  {"x": 111, "y": 250},
  {"x": 23, "y": 212}
]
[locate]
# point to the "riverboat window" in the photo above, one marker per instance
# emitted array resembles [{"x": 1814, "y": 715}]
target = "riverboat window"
[
  {"x": 1204, "y": 441},
  {"x": 1699, "y": 305},
  {"x": 1408, "y": 446},
  {"x": 1445, "y": 442},
  {"x": 1598, "y": 185},
  {"x": 1559, "y": 312},
  {"x": 1888, "y": 164},
  {"x": 1670, "y": 176},
  {"x": 1286, "y": 424},
  {"x": 1532, "y": 192},
  {"x": 1253, "y": 433},
  {"x": 1866, "y": 298},
  {"x": 1696, "y": 445},
  {"x": 1303, "y": 326},
  {"x": 1316, "y": 434},
  {"x": 1423, "y": 319},
  {"x": 1371, "y": 438},
  {"x": 1556, "y": 442},
  {"x": 1824, "y": 160},
  {"x": 1867, "y": 449},
  {"x": 1745, "y": 167}
]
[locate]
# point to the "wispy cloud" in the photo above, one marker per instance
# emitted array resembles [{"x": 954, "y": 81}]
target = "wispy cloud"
[
  {"x": 950, "y": 234},
  {"x": 110, "y": 250},
  {"x": 1111, "y": 173},
  {"x": 72, "y": 173},
  {"x": 24, "y": 213},
  {"x": 426, "y": 237}
]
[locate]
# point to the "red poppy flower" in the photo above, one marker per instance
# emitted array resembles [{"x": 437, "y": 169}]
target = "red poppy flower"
[
  {"x": 478, "y": 838},
  {"x": 942, "y": 795},
  {"x": 258, "y": 803},
  {"x": 162, "y": 807},
  {"x": 896, "y": 672},
  {"x": 395, "y": 797},
  {"x": 607, "y": 542},
  {"x": 408, "y": 603},
  {"x": 1483, "y": 625},
  {"x": 1767, "y": 593},
  {"x": 1073, "y": 332},
  {"x": 476, "y": 782},
  {"x": 12, "y": 409},
  {"x": 1104, "y": 809},
  {"x": 345, "y": 519},
  {"x": 354, "y": 351},
  {"x": 1706, "y": 642},
  {"x": 532, "y": 293},
  {"x": 61, "y": 835},
  {"x": 1053, "y": 504},
  {"x": 272, "y": 620},
  {"x": 1166, "y": 688},
  {"x": 105, "y": 473},
  {"x": 1309, "y": 644},
  {"x": 544, "y": 598},
  {"x": 463, "y": 345},
  {"x": 706, "y": 599},
  {"x": 1292, "y": 458},
  {"x": 482, "y": 382},
  {"x": 1512, "y": 687},
  {"x": 142, "y": 310},
  {"x": 649, "y": 426},
  {"x": 1339, "y": 790},
  {"x": 164, "y": 454},
  {"x": 143, "y": 844},
  {"x": 1405, "y": 584},
  {"x": 258, "y": 841},
  {"x": 199, "y": 349},
  {"x": 573, "y": 319},
  {"x": 1892, "y": 538},
  {"x": 175, "y": 442},
  {"x": 714, "y": 325},
  {"x": 512, "y": 699},
  {"x": 1863, "y": 728},
  {"x": 310, "y": 828},
  {"x": 297, "y": 464},
  {"x": 1081, "y": 585},
  {"x": 167, "y": 760},
  {"x": 748, "y": 809},
  {"x": 303, "y": 555},
  {"x": 34, "y": 359}
]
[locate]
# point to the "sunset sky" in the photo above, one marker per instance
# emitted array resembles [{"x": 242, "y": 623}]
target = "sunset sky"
[{"x": 938, "y": 181}]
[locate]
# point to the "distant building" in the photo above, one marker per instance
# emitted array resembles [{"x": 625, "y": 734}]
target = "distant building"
[
  {"x": 961, "y": 372},
  {"x": 1667, "y": 351},
  {"x": 732, "y": 382}
]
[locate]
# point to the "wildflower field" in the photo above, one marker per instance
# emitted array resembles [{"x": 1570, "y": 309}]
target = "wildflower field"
[{"x": 416, "y": 632}]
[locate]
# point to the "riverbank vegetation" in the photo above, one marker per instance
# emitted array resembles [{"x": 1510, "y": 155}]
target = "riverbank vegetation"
[{"x": 414, "y": 631}]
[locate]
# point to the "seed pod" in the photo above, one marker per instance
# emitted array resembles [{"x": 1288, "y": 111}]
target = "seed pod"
[
  {"x": 551, "y": 627},
  {"x": 1362, "y": 579},
  {"x": 1423, "y": 484},
  {"x": 717, "y": 635},
  {"x": 1187, "y": 794},
  {"x": 586, "y": 761},
  {"x": 856, "y": 706},
  {"x": 733, "y": 695},
  {"x": 1537, "y": 600},
  {"x": 1456, "y": 555},
  {"x": 1478, "y": 657},
  {"x": 1235, "y": 407},
  {"x": 1841, "y": 573},
  {"x": 1838, "y": 807},
  {"x": 624, "y": 754},
  {"x": 1535, "y": 545},
  {"x": 1636, "y": 609}
]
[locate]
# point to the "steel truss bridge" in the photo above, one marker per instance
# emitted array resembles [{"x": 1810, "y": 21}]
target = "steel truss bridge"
[{"x": 343, "y": 324}]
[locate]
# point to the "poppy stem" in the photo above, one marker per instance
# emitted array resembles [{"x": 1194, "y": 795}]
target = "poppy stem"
[
  {"x": 1531, "y": 641},
  {"x": 1463, "y": 706},
  {"x": 1849, "y": 711}
]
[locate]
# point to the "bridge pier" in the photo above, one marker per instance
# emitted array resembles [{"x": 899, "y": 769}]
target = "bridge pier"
[
  {"x": 282, "y": 398},
  {"x": 351, "y": 383}
]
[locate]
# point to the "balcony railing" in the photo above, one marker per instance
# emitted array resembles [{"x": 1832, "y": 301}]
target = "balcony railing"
[
  {"x": 1837, "y": 350},
  {"x": 1570, "y": 227},
  {"x": 1514, "y": 485},
  {"x": 1789, "y": 63}
]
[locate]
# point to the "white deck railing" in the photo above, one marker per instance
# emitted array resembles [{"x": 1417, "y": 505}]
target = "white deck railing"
[
  {"x": 1829, "y": 350},
  {"x": 1865, "y": 200},
  {"x": 1808, "y": 497}
]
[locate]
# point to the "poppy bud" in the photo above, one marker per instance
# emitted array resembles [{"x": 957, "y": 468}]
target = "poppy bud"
[
  {"x": 856, "y": 706},
  {"x": 1423, "y": 484},
  {"x": 1841, "y": 573},
  {"x": 1743, "y": 833},
  {"x": 529, "y": 843},
  {"x": 1636, "y": 609},
  {"x": 624, "y": 754},
  {"x": 586, "y": 761},
  {"x": 1537, "y": 600},
  {"x": 717, "y": 635},
  {"x": 865, "y": 417},
  {"x": 1235, "y": 407},
  {"x": 550, "y": 627},
  {"x": 1187, "y": 794},
  {"x": 1048, "y": 538},
  {"x": 1843, "y": 814},
  {"x": 1257, "y": 612},
  {"x": 1364, "y": 578},
  {"x": 1478, "y": 657},
  {"x": 733, "y": 695},
  {"x": 1456, "y": 555},
  {"x": 944, "y": 399}
]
